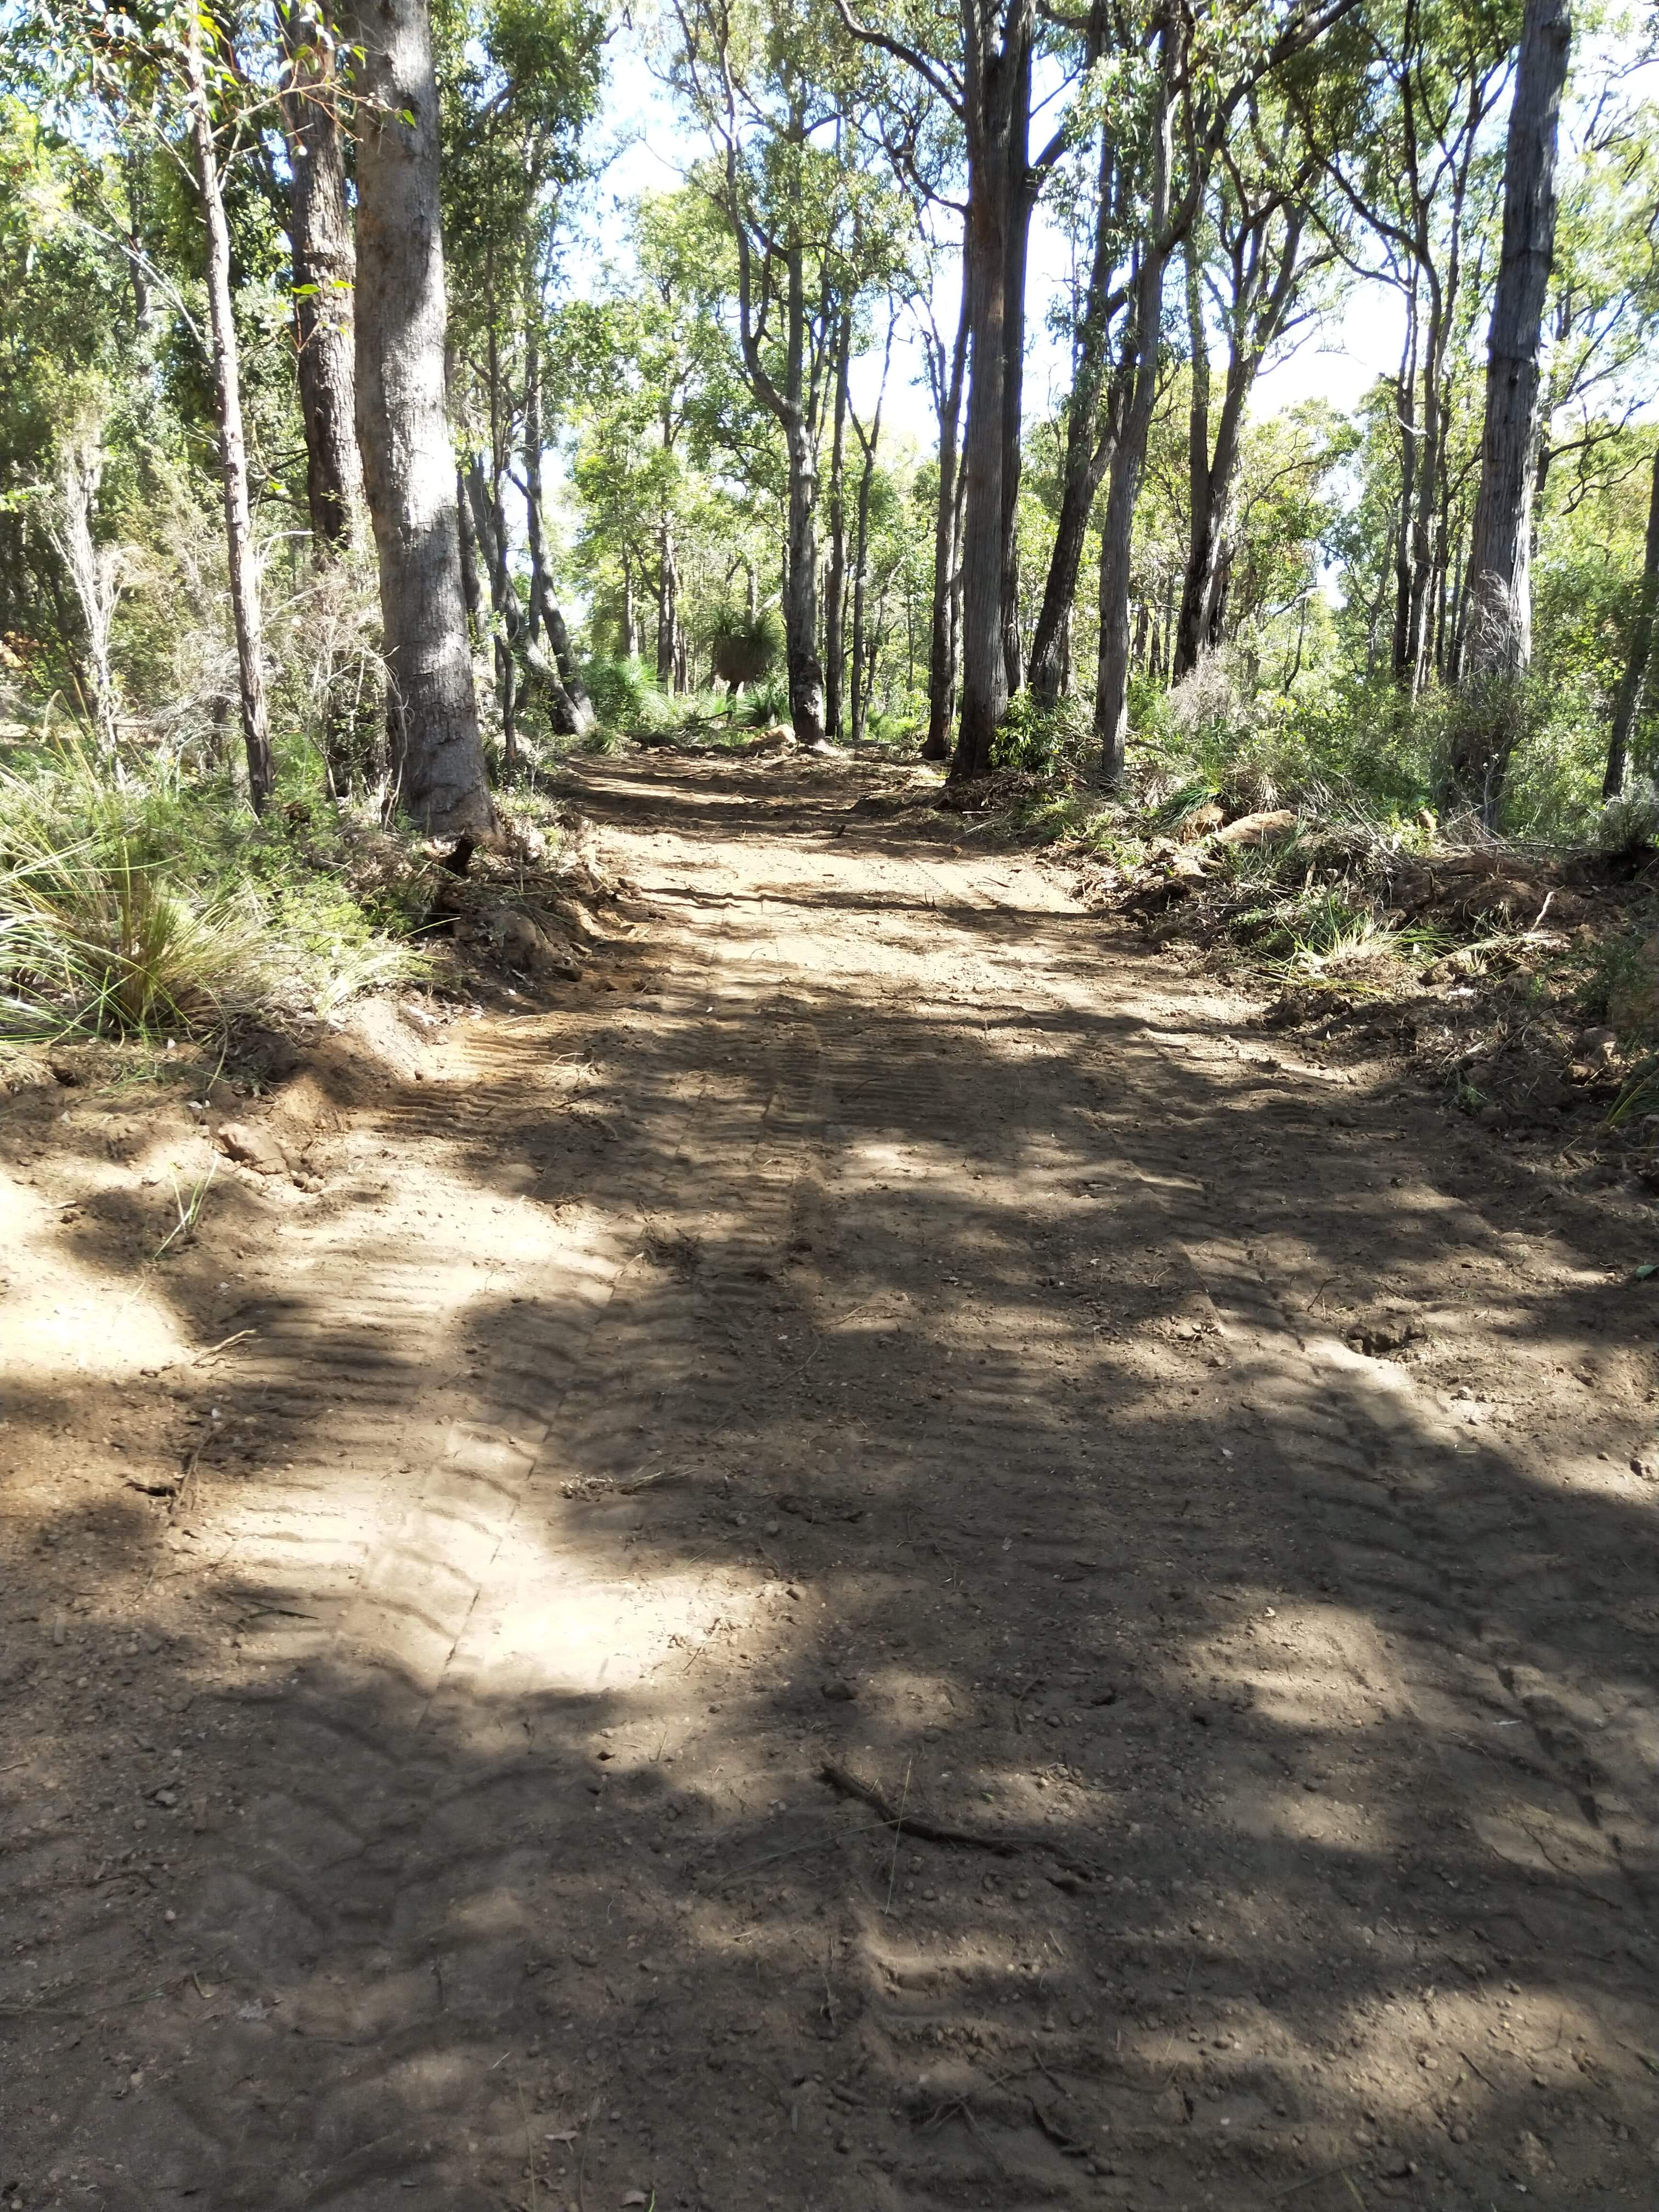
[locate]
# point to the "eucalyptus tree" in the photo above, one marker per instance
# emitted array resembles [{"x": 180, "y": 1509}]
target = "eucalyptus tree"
[
  {"x": 520, "y": 83},
  {"x": 1248, "y": 270},
  {"x": 1401, "y": 126},
  {"x": 919, "y": 136},
  {"x": 978, "y": 63},
  {"x": 324, "y": 263},
  {"x": 166, "y": 78},
  {"x": 1166, "y": 91},
  {"x": 773, "y": 88},
  {"x": 1601, "y": 315},
  {"x": 403, "y": 423},
  {"x": 1500, "y": 624},
  {"x": 653, "y": 394},
  {"x": 1639, "y": 653}
]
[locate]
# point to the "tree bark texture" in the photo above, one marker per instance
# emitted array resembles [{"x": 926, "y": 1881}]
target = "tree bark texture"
[
  {"x": 1499, "y": 621},
  {"x": 324, "y": 277},
  {"x": 1022, "y": 189},
  {"x": 806, "y": 669},
  {"x": 1633, "y": 682},
  {"x": 1263, "y": 277},
  {"x": 942, "y": 642},
  {"x": 402, "y": 426},
  {"x": 232, "y": 454},
  {"x": 1090, "y": 435},
  {"x": 835, "y": 581},
  {"x": 1129, "y": 458},
  {"x": 996, "y": 91},
  {"x": 1116, "y": 545}
]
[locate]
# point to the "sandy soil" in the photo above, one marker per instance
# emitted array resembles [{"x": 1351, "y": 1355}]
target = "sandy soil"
[{"x": 887, "y": 1334}]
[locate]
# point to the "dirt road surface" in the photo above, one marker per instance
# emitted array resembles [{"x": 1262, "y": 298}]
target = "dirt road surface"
[{"x": 890, "y": 1347}]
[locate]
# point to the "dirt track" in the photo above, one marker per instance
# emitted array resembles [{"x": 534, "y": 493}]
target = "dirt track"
[{"x": 902, "y": 1327}]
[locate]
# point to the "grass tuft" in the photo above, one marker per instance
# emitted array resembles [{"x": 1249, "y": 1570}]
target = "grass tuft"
[{"x": 136, "y": 904}]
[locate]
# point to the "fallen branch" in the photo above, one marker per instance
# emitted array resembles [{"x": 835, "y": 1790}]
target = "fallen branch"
[{"x": 936, "y": 1832}]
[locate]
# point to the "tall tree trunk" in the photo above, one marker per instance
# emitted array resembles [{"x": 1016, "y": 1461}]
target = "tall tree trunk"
[
  {"x": 1406, "y": 416},
  {"x": 573, "y": 716},
  {"x": 472, "y": 593},
  {"x": 1022, "y": 202},
  {"x": 1116, "y": 537},
  {"x": 535, "y": 531},
  {"x": 95, "y": 573},
  {"x": 834, "y": 586},
  {"x": 995, "y": 93},
  {"x": 581, "y": 715},
  {"x": 668, "y": 613},
  {"x": 1497, "y": 625},
  {"x": 861, "y": 562},
  {"x": 806, "y": 669},
  {"x": 1089, "y": 416},
  {"x": 942, "y": 643},
  {"x": 1129, "y": 459},
  {"x": 233, "y": 455},
  {"x": 1632, "y": 683},
  {"x": 1102, "y": 401},
  {"x": 325, "y": 276},
  {"x": 568, "y": 717},
  {"x": 403, "y": 427},
  {"x": 1431, "y": 467},
  {"x": 630, "y": 637},
  {"x": 1499, "y": 628}
]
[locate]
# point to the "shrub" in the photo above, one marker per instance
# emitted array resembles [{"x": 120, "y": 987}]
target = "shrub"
[
  {"x": 744, "y": 646},
  {"x": 1037, "y": 737},
  {"x": 624, "y": 693},
  {"x": 1629, "y": 825}
]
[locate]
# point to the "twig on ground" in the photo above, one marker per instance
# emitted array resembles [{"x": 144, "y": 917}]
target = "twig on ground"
[
  {"x": 898, "y": 1829},
  {"x": 528, "y": 2141},
  {"x": 1474, "y": 2068},
  {"x": 823, "y": 1843},
  {"x": 237, "y": 1336},
  {"x": 936, "y": 1832},
  {"x": 581, "y": 2163}
]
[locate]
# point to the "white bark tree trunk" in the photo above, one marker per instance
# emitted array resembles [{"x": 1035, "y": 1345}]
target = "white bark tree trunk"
[
  {"x": 402, "y": 426},
  {"x": 233, "y": 453}
]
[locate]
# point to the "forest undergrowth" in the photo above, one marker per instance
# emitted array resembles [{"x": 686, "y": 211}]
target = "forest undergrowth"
[
  {"x": 144, "y": 910},
  {"x": 1518, "y": 968}
]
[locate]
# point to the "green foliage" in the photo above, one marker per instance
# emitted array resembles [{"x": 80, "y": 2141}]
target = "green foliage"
[
  {"x": 147, "y": 904},
  {"x": 1628, "y": 826},
  {"x": 1037, "y": 737},
  {"x": 744, "y": 648}
]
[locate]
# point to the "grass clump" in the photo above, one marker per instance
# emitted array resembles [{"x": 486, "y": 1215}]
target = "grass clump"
[{"x": 135, "y": 902}]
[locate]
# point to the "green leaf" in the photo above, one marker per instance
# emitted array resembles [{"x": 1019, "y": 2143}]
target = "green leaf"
[{"x": 1649, "y": 1267}]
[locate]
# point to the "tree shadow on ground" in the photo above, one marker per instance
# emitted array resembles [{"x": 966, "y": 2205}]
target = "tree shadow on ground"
[{"x": 455, "y": 1833}]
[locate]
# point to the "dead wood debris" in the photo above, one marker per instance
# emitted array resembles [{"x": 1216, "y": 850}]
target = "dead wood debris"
[{"x": 937, "y": 1832}]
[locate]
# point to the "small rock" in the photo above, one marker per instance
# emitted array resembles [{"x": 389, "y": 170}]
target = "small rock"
[
  {"x": 839, "y": 1693},
  {"x": 252, "y": 1147},
  {"x": 1597, "y": 1047}
]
